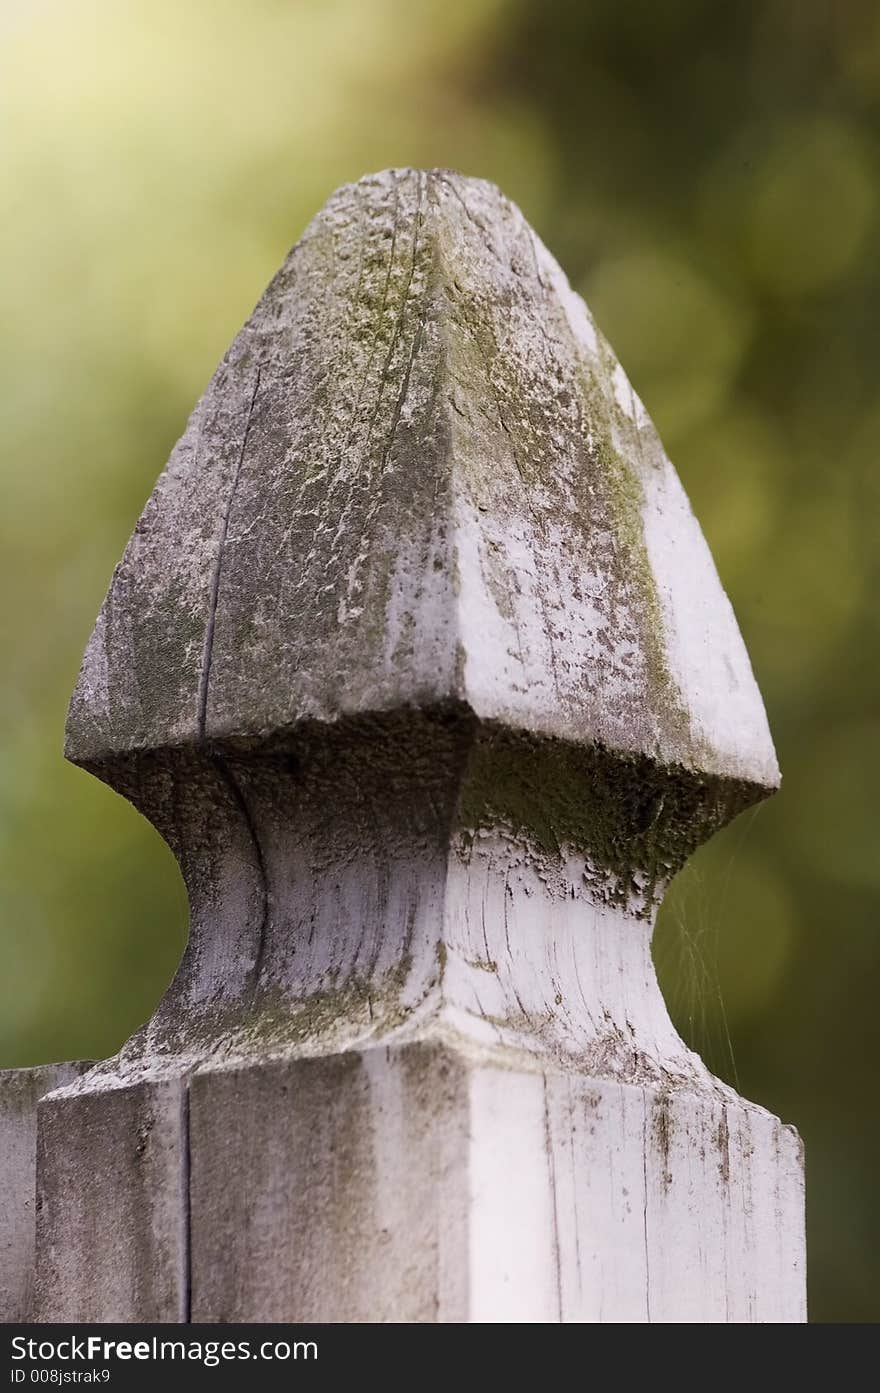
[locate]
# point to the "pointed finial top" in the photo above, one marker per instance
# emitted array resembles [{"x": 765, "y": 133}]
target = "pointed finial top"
[{"x": 420, "y": 476}]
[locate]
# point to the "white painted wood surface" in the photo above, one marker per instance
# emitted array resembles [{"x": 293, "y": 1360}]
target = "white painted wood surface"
[
  {"x": 418, "y": 660},
  {"x": 20, "y": 1090}
]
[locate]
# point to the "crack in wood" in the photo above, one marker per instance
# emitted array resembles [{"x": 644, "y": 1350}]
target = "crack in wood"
[{"x": 208, "y": 648}]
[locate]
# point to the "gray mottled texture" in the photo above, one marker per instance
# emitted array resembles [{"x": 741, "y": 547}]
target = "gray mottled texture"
[
  {"x": 418, "y": 475},
  {"x": 333, "y": 1224},
  {"x": 418, "y": 661},
  {"x": 112, "y": 1205},
  {"x": 20, "y": 1090}
]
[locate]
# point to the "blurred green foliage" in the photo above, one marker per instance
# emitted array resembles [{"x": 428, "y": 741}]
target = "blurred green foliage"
[{"x": 708, "y": 175}]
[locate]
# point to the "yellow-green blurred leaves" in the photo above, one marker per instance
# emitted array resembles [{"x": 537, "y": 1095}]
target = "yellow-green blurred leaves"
[
  {"x": 733, "y": 464},
  {"x": 679, "y": 335},
  {"x": 813, "y": 205},
  {"x": 725, "y": 938},
  {"x": 833, "y": 816},
  {"x": 798, "y": 201}
]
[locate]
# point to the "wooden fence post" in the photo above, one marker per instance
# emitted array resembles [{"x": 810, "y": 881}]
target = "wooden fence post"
[{"x": 418, "y": 660}]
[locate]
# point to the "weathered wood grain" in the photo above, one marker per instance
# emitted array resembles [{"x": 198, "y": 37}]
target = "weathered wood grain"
[
  {"x": 112, "y": 1201},
  {"x": 20, "y": 1090}
]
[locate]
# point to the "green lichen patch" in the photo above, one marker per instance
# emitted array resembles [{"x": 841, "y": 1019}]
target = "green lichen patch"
[
  {"x": 636, "y": 821},
  {"x": 661, "y": 1132}
]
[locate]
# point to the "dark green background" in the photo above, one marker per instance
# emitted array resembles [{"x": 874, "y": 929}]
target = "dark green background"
[{"x": 709, "y": 176}]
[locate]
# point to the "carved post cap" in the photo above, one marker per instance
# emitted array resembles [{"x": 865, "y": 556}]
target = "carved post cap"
[
  {"x": 420, "y": 477},
  {"x": 421, "y": 490}
]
